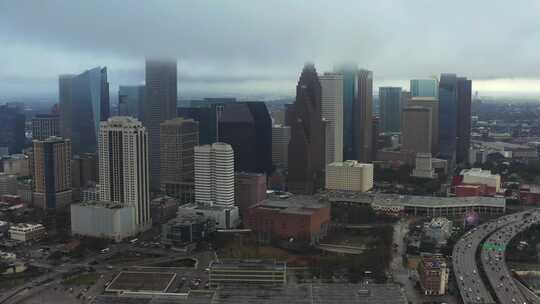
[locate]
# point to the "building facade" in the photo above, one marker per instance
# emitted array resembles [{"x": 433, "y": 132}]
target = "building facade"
[
  {"x": 281, "y": 136},
  {"x": 26, "y": 232},
  {"x": 364, "y": 111},
  {"x": 52, "y": 173},
  {"x": 84, "y": 103},
  {"x": 390, "y": 109},
  {"x": 433, "y": 272},
  {"x": 416, "y": 135},
  {"x": 214, "y": 175},
  {"x": 179, "y": 136},
  {"x": 131, "y": 101},
  {"x": 123, "y": 167},
  {"x": 464, "y": 119},
  {"x": 160, "y": 98},
  {"x": 12, "y": 136},
  {"x": 349, "y": 176},
  {"x": 247, "y": 127},
  {"x": 448, "y": 109},
  {"x": 332, "y": 113},
  {"x": 424, "y": 88},
  {"x": 306, "y": 148},
  {"x": 249, "y": 189},
  {"x": 45, "y": 126},
  {"x": 433, "y": 104},
  {"x": 101, "y": 219}
]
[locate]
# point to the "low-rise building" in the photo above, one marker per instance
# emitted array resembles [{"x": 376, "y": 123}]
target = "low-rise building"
[
  {"x": 163, "y": 209},
  {"x": 8, "y": 184},
  {"x": 187, "y": 229},
  {"x": 477, "y": 176},
  {"x": 423, "y": 167},
  {"x": 26, "y": 232},
  {"x": 103, "y": 219},
  {"x": 268, "y": 272},
  {"x": 349, "y": 176},
  {"x": 303, "y": 219},
  {"x": 529, "y": 194},
  {"x": 16, "y": 164},
  {"x": 225, "y": 217},
  {"x": 438, "y": 229},
  {"x": 433, "y": 272}
]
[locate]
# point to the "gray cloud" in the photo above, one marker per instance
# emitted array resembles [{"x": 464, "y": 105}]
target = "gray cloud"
[{"x": 261, "y": 45}]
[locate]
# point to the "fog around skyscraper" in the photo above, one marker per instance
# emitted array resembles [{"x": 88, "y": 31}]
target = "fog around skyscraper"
[{"x": 225, "y": 56}]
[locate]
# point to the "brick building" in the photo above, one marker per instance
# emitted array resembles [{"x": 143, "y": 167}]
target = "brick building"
[
  {"x": 303, "y": 219},
  {"x": 529, "y": 194},
  {"x": 250, "y": 189},
  {"x": 433, "y": 272}
]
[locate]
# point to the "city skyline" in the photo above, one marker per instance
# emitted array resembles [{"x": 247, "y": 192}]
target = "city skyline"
[{"x": 264, "y": 59}]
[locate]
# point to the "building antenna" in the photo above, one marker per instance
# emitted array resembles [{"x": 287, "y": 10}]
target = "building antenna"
[{"x": 219, "y": 110}]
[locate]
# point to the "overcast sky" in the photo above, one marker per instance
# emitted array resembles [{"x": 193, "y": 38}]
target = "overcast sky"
[{"x": 250, "y": 46}]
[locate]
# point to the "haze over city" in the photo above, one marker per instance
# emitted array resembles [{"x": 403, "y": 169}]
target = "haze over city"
[{"x": 256, "y": 48}]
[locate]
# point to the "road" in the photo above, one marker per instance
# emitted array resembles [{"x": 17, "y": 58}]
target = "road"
[
  {"x": 493, "y": 259},
  {"x": 472, "y": 287}
]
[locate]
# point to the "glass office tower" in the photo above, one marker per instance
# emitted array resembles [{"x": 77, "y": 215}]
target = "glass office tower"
[
  {"x": 424, "y": 88},
  {"x": 448, "y": 109},
  {"x": 84, "y": 103},
  {"x": 390, "y": 109}
]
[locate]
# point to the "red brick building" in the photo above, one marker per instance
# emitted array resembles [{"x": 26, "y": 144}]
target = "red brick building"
[
  {"x": 249, "y": 189},
  {"x": 529, "y": 194},
  {"x": 294, "y": 218}
]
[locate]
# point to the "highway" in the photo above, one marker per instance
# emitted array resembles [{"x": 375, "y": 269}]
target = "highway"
[
  {"x": 488, "y": 239},
  {"x": 493, "y": 259}
]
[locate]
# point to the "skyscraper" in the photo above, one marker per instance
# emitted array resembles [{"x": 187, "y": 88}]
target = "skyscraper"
[
  {"x": 364, "y": 112},
  {"x": 416, "y": 134},
  {"x": 84, "y": 103},
  {"x": 179, "y": 136},
  {"x": 214, "y": 175},
  {"x": 424, "y": 88},
  {"x": 247, "y": 127},
  {"x": 390, "y": 111},
  {"x": 281, "y": 136},
  {"x": 45, "y": 126},
  {"x": 464, "y": 119},
  {"x": 52, "y": 173},
  {"x": 159, "y": 105},
  {"x": 131, "y": 101},
  {"x": 123, "y": 166},
  {"x": 357, "y": 113},
  {"x": 448, "y": 108},
  {"x": 12, "y": 136},
  {"x": 433, "y": 104},
  {"x": 332, "y": 113},
  {"x": 306, "y": 148}
]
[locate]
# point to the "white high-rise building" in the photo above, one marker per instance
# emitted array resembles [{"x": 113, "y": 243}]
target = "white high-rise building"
[
  {"x": 332, "y": 113},
  {"x": 214, "y": 175},
  {"x": 123, "y": 166}
]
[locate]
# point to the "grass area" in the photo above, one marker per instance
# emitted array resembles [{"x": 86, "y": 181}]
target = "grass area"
[
  {"x": 83, "y": 279},
  {"x": 11, "y": 280}
]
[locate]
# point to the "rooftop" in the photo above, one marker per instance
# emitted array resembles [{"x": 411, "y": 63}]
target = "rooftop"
[
  {"x": 414, "y": 200},
  {"x": 350, "y": 163},
  {"x": 295, "y": 204},
  {"x": 477, "y": 172},
  {"x": 102, "y": 204},
  {"x": 255, "y": 264}
]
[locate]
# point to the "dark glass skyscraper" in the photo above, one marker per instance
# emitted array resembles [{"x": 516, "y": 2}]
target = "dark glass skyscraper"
[
  {"x": 11, "y": 129},
  {"x": 247, "y": 127},
  {"x": 306, "y": 148},
  {"x": 448, "y": 109},
  {"x": 84, "y": 103},
  {"x": 463, "y": 119},
  {"x": 159, "y": 105},
  {"x": 357, "y": 113},
  {"x": 390, "y": 111}
]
